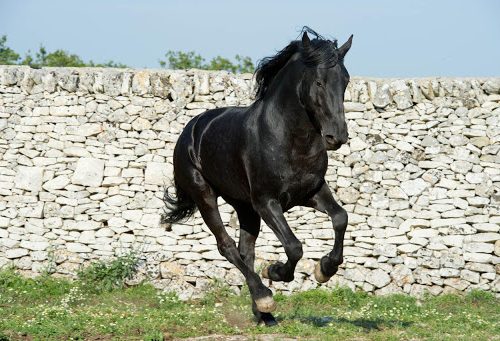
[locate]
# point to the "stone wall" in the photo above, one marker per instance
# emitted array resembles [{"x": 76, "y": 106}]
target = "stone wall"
[{"x": 86, "y": 153}]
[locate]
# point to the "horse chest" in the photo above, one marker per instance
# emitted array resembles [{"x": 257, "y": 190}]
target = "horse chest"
[{"x": 298, "y": 179}]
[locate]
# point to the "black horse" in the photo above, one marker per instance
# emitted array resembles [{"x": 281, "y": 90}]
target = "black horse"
[{"x": 267, "y": 158}]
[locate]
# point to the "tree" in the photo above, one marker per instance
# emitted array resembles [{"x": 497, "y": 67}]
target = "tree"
[
  {"x": 183, "y": 60},
  {"x": 62, "y": 58},
  {"x": 192, "y": 60},
  {"x": 108, "y": 64},
  {"x": 44, "y": 58},
  {"x": 7, "y": 55},
  {"x": 56, "y": 58}
]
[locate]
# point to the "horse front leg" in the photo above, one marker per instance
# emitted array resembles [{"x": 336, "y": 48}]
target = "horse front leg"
[
  {"x": 323, "y": 201},
  {"x": 270, "y": 210}
]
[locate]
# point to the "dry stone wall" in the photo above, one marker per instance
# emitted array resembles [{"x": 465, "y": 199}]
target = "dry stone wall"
[{"x": 86, "y": 153}]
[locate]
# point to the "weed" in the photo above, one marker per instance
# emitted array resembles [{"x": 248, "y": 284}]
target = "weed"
[{"x": 106, "y": 276}]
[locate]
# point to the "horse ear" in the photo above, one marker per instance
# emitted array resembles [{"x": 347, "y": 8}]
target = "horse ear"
[
  {"x": 305, "y": 40},
  {"x": 344, "y": 48}
]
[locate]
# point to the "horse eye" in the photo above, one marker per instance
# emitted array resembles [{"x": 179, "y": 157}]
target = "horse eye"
[{"x": 318, "y": 83}]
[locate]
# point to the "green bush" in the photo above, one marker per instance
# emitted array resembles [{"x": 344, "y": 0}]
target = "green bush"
[{"x": 109, "y": 275}]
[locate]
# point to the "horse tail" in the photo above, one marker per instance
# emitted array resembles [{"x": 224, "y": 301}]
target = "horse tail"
[{"x": 179, "y": 206}]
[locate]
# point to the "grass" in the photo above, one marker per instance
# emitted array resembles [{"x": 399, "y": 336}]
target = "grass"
[{"x": 46, "y": 308}]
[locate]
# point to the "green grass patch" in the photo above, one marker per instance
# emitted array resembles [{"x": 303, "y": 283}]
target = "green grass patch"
[{"x": 45, "y": 308}]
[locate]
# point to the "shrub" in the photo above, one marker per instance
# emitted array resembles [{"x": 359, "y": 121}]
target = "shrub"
[{"x": 109, "y": 275}]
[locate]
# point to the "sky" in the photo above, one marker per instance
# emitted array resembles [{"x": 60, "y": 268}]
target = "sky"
[{"x": 392, "y": 38}]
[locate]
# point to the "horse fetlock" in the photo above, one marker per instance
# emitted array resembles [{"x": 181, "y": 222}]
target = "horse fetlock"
[
  {"x": 265, "y": 304},
  {"x": 277, "y": 272}
]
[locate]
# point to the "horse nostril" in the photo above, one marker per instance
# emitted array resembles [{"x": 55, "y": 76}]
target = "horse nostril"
[{"x": 330, "y": 139}]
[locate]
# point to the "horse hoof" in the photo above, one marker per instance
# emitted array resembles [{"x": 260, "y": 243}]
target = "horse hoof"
[
  {"x": 265, "y": 304},
  {"x": 318, "y": 274},
  {"x": 268, "y": 321},
  {"x": 265, "y": 272}
]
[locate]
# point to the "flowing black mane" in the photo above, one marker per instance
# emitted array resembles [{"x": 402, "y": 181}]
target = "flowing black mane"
[{"x": 320, "y": 52}]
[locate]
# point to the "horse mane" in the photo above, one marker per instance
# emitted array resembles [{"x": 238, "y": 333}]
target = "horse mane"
[{"x": 320, "y": 51}]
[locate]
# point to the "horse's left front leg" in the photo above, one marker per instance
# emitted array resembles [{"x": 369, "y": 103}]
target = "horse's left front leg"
[
  {"x": 270, "y": 210},
  {"x": 323, "y": 201}
]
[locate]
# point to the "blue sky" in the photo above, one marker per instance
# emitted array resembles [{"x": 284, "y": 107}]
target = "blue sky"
[{"x": 392, "y": 38}]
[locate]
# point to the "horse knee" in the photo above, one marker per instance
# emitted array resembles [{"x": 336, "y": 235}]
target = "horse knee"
[{"x": 340, "y": 219}]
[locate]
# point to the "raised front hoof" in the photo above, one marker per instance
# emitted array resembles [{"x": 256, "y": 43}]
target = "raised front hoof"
[
  {"x": 272, "y": 272},
  {"x": 319, "y": 275},
  {"x": 265, "y": 272},
  {"x": 267, "y": 319},
  {"x": 265, "y": 304}
]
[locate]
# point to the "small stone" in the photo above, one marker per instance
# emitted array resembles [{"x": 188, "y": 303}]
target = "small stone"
[
  {"x": 89, "y": 129},
  {"x": 348, "y": 195},
  {"x": 456, "y": 283},
  {"x": 78, "y": 248},
  {"x": 57, "y": 183},
  {"x": 402, "y": 275},
  {"x": 408, "y": 248},
  {"x": 117, "y": 200},
  {"x": 29, "y": 178},
  {"x": 141, "y": 124},
  {"x": 378, "y": 278},
  {"x": 405, "y": 146},
  {"x": 354, "y": 106},
  {"x": 485, "y": 237},
  {"x": 414, "y": 187},
  {"x": 469, "y": 276},
  {"x": 477, "y": 257},
  {"x": 88, "y": 172},
  {"x": 171, "y": 269},
  {"x": 158, "y": 173},
  {"x": 16, "y": 253},
  {"x": 462, "y": 167},
  {"x": 480, "y": 141},
  {"x": 479, "y": 247},
  {"x": 356, "y": 144},
  {"x": 382, "y": 96},
  {"x": 423, "y": 233}
]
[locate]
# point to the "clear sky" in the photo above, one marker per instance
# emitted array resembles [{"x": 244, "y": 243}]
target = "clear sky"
[{"x": 392, "y": 38}]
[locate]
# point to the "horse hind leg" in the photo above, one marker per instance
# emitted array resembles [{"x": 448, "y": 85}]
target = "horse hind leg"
[
  {"x": 206, "y": 200},
  {"x": 249, "y": 231}
]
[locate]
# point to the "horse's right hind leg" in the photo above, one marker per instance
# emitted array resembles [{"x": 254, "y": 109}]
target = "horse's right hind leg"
[
  {"x": 249, "y": 231},
  {"x": 206, "y": 200}
]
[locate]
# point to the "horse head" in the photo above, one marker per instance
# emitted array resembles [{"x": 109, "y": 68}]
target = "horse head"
[{"x": 322, "y": 88}]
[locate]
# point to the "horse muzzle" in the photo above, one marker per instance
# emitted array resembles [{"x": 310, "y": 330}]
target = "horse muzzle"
[{"x": 333, "y": 143}]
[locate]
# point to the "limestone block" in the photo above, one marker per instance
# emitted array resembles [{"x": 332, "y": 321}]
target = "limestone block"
[
  {"x": 414, "y": 187},
  {"x": 378, "y": 278},
  {"x": 58, "y": 182},
  {"x": 88, "y": 172},
  {"x": 29, "y": 178},
  {"x": 16, "y": 253},
  {"x": 158, "y": 173}
]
